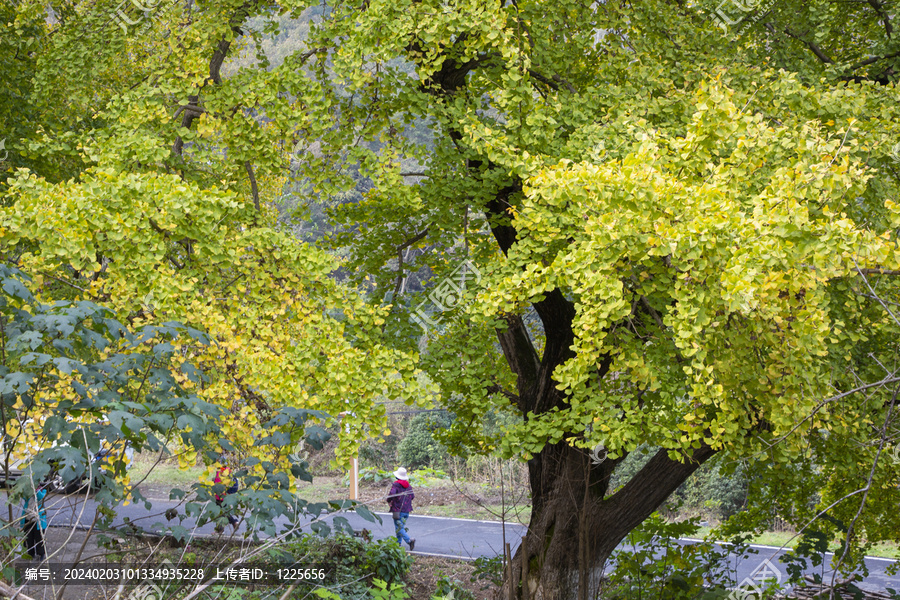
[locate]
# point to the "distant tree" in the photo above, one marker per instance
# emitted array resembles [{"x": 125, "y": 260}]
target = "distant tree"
[{"x": 419, "y": 448}]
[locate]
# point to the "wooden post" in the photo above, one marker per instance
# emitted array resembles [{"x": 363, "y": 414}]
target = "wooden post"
[
  {"x": 354, "y": 478},
  {"x": 509, "y": 573},
  {"x": 354, "y": 469},
  {"x": 524, "y": 569}
]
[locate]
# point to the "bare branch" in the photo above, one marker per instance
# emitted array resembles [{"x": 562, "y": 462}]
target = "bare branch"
[
  {"x": 877, "y": 271},
  {"x": 877, "y": 297},
  {"x": 10, "y": 592},
  {"x": 862, "y": 504}
]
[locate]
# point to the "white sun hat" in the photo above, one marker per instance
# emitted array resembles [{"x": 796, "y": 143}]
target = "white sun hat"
[{"x": 401, "y": 474}]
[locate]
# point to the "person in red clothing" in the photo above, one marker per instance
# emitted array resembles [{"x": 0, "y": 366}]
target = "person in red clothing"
[
  {"x": 222, "y": 476},
  {"x": 400, "y": 501}
]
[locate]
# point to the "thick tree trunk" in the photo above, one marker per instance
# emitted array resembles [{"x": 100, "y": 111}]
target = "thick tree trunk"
[
  {"x": 574, "y": 529},
  {"x": 574, "y": 525}
]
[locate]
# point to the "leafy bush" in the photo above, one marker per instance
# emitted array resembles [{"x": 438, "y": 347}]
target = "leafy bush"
[
  {"x": 715, "y": 488},
  {"x": 387, "y": 560},
  {"x": 654, "y": 564},
  {"x": 380, "y": 590},
  {"x": 450, "y": 588},
  {"x": 351, "y": 564},
  {"x": 372, "y": 475},
  {"x": 419, "y": 448},
  {"x": 421, "y": 477},
  {"x": 489, "y": 571}
]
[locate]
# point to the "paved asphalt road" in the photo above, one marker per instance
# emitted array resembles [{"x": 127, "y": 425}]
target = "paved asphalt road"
[{"x": 436, "y": 536}]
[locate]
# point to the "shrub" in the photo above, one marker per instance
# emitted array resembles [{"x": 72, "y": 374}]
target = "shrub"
[
  {"x": 387, "y": 560},
  {"x": 489, "y": 571},
  {"x": 372, "y": 475},
  {"x": 351, "y": 564},
  {"x": 654, "y": 564},
  {"x": 419, "y": 448},
  {"x": 450, "y": 588},
  {"x": 421, "y": 477}
]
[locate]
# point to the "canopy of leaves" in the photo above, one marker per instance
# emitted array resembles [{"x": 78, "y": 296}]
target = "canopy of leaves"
[{"x": 716, "y": 218}]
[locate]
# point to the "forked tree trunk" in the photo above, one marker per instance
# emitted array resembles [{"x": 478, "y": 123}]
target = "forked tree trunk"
[
  {"x": 573, "y": 530},
  {"x": 574, "y": 525}
]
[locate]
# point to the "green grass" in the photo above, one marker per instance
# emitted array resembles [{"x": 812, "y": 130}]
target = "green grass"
[
  {"x": 789, "y": 540},
  {"x": 164, "y": 473}
]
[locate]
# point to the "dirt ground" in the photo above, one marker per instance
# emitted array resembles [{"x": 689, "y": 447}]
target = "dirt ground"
[{"x": 427, "y": 570}]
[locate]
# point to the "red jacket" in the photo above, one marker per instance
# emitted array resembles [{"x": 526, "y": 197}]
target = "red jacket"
[
  {"x": 220, "y": 473},
  {"x": 400, "y": 497}
]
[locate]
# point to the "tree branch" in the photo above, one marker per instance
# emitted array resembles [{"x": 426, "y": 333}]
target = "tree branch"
[
  {"x": 496, "y": 389},
  {"x": 187, "y": 107},
  {"x": 862, "y": 504},
  {"x": 877, "y": 271},
  {"x": 215, "y": 65},
  {"x": 879, "y": 8},
  {"x": 11, "y": 592},
  {"x": 520, "y": 355},
  {"x": 554, "y": 81},
  {"x": 253, "y": 188},
  {"x": 400, "y": 250},
  {"x": 873, "y": 60},
  {"x": 820, "y": 54}
]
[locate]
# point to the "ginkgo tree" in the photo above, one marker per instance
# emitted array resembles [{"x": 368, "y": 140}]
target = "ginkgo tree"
[
  {"x": 682, "y": 241},
  {"x": 160, "y": 229},
  {"x": 687, "y": 242}
]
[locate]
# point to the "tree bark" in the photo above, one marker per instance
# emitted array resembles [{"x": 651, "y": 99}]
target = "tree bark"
[{"x": 574, "y": 528}]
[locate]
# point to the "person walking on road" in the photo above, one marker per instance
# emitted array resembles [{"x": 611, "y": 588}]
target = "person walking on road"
[
  {"x": 34, "y": 523},
  {"x": 400, "y": 501}
]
